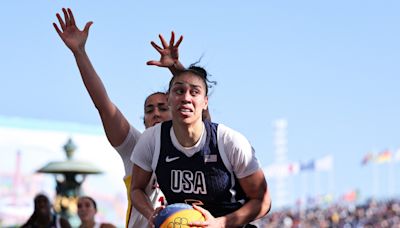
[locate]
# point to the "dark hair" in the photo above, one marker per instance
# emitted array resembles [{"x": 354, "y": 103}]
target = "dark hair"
[
  {"x": 155, "y": 93},
  {"x": 36, "y": 215},
  {"x": 40, "y": 196},
  {"x": 147, "y": 98},
  {"x": 196, "y": 70},
  {"x": 91, "y": 199}
]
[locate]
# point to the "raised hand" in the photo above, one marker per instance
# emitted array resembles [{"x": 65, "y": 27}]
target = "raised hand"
[
  {"x": 74, "y": 38},
  {"x": 169, "y": 53}
]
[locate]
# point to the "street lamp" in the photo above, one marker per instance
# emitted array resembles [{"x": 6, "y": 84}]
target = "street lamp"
[{"x": 69, "y": 175}]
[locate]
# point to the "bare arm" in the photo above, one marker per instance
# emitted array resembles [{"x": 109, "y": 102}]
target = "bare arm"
[
  {"x": 107, "y": 225},
  {"x": 258, "y": 205},
  {"x": 140, "y": 179},
  {"x": 115, "y": 124},
  {"x": 64, "y": 223}
]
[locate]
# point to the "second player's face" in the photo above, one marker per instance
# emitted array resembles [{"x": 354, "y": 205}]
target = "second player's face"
[
  {"x": 156, "y": 110},
  {"x": 86, "y": 210}
]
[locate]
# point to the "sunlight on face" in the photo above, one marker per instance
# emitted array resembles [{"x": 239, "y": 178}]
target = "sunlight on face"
[
  {"x": 187, "y": 98},
  {"x": 156, "y": 110},
  {"x": 86, "y": 209}
]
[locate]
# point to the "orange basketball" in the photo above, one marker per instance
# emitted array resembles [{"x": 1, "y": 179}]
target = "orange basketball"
[{"x": 177, "y": 215}]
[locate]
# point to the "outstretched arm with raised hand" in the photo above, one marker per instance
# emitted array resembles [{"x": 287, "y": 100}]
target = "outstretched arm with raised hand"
[
  {"x": 169, "y": 54},
  {"x": 115, "y": 124}
]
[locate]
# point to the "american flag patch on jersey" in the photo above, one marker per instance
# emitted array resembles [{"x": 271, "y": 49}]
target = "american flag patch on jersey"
[{"x": 210, "y": 158}]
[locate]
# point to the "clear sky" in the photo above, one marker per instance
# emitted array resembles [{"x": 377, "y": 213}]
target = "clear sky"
[{"x": 330, "y": 68}]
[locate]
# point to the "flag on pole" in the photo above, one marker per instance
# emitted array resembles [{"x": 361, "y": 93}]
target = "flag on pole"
[
  {"x": 307, "y": 166},
  {"x": 324, "y": 164},
  {"x": 281, "y": 170},
  {"x": 367, "y": 158},
  {"x": 397, "y": 155},
  {"x": 350, "y": 196},
  {"x": 384, "y": 157},
  {"x": 294, "y": 168}
]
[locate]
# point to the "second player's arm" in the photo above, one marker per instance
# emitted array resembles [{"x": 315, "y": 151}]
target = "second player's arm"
[{"x": 115, "y": 124}]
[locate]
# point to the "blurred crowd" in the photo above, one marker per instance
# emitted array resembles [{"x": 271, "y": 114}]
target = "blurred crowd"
[{"x": 372, "y": 213}]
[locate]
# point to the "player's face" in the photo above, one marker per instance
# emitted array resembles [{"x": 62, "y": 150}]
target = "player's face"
[
  {"x": 156, "y": 110},
  {"x": 42, "y": 205},
  {"x": 187, "y": 98},
  {"x": 86, "y": 210}
]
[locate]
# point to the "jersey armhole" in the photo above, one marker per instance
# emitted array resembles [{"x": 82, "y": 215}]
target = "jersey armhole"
[
  {"x": 157, "y": 146},
  {"x": 221, "y": 148}
]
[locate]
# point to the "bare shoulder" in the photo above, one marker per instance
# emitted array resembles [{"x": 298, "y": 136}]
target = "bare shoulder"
[
  {"x": 107, "y": 225},
  {"x": 64, "y": 223}
]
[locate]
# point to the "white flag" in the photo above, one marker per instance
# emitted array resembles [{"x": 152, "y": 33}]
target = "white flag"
[
  {"x": 397, "y": 155},
  {"x": 324, "y": 163},
  {"x": 281, "y": 170}
]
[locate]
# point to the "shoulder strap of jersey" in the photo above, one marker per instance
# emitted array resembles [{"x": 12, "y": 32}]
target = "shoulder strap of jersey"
[
  {"x": 221, "y": 148},
  {"x": 164, "y": 126}
]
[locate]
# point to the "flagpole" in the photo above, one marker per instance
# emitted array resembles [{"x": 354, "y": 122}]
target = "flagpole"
[
  {"x": 317, "y": 183},
  {"x": 375, "y": 180},
  {"x": 331, "y": 182},
  {"x": 391, "y": 180}
]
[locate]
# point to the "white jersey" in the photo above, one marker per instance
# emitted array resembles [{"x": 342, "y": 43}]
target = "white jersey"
[
  {"x": 134, "y": 218},
  {"x": 240, "y": 156}
]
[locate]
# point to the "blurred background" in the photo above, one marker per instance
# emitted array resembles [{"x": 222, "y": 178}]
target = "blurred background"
[{"x": 313, "y": 85}]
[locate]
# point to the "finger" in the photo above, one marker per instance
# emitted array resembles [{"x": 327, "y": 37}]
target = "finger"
[
  {"x": 153, "y": 63},
  {"x": 57, "y": 29},
  {"x": 199, "y": 224},
  {"x": 172, "y": 40},
  {"x": 71, "y": 16},
  {"x": 179, "y": 41},
  {"x": 158, "y": 48},
  {"x": 206, "y": 213},
  {"x": 62, "y": 24},
  {"x": 66, "y": 17},
  {"x": 158, "y": 209},
  {"x": 87, "y": 27},
  {"x": 163, "y": 42}
]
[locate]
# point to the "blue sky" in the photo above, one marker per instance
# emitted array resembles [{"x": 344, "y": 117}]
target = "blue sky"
[{"x": 330, "y": 68}]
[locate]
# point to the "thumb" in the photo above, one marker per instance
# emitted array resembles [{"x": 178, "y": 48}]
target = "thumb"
[
  {"x": 207, "y": 215},
  {"x": 154, "y": 63},
  {"x": 87, "y": 27}
]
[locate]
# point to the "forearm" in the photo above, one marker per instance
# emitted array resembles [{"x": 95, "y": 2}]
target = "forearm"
[
  {"x": 116, "y": 126},
  {"x": 140, "y": 200},
  {"x": 142, "y": 203},
  {"x": 250, "y": 211},
  {"x": 91, "y": 80},
  {"x": 257, "y": 205}
]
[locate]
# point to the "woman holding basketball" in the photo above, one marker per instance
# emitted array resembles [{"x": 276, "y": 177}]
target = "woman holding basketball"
[{"x": 198, "y": 161}]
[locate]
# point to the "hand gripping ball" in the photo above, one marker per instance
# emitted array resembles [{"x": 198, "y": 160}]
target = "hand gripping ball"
[{"x": 177, "y": 215}]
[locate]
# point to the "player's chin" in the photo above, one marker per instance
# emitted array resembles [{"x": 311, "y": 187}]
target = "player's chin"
[{"x": 155, "y": 123}]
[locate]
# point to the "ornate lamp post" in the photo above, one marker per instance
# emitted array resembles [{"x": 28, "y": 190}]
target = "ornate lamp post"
[{"x": 69, "y": 175}]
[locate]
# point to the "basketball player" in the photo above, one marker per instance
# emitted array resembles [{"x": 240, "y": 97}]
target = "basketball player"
[
  {"x": 199, "y": 161},
  {"x": 121, "y": 135}
]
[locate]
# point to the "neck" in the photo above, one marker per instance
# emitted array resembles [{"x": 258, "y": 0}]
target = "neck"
[
  {"x": 188, "y": 135},
  {"x": 44, "y": 219},
  {"x": 87, "y": 224}
]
